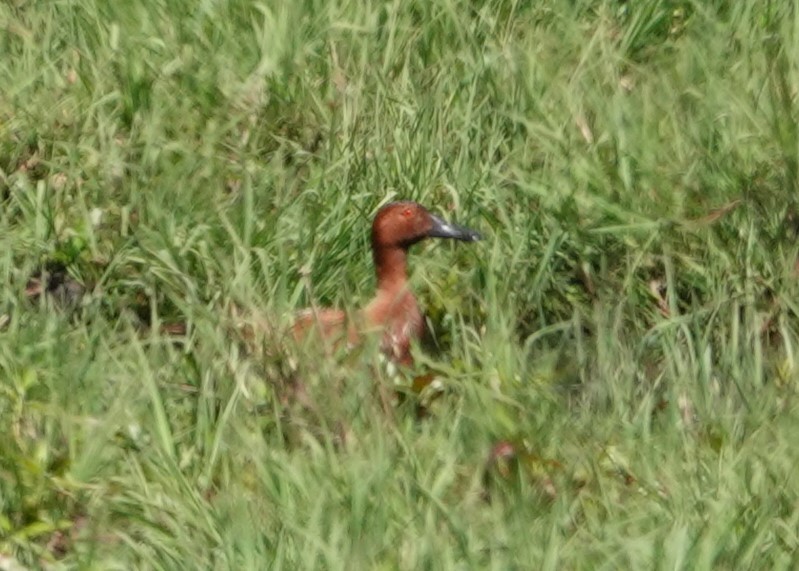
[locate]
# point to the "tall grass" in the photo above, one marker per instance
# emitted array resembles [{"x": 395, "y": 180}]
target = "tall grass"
[{"x": 628, "y": 326}]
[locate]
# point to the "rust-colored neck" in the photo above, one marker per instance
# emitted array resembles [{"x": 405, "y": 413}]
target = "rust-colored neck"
[{"x": 391, "y": 266}]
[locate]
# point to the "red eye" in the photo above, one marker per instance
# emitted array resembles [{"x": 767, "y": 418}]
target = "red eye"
[{"x": 407, "y": 212}]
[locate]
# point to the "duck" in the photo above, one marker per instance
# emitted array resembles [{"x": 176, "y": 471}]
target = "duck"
[{"x": 393, "y": 313}]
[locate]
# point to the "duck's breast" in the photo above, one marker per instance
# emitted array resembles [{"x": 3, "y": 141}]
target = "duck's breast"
[{"x": 398, "y": 316}]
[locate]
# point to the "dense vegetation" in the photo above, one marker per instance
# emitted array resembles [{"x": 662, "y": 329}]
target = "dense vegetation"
[{"x": 618, "y": 356}]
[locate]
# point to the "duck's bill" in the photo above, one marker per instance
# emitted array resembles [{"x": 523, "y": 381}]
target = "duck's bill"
[{"x": 443, "y": 229}]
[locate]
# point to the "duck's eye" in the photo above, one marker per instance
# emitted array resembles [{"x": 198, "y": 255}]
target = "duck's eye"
[{"x": 407, "y": 212}]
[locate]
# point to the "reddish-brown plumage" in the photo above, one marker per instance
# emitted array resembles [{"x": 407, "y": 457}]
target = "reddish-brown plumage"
[{"x": 393, "y": 312}]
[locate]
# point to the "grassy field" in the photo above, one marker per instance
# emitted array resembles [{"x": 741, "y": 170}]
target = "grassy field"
[{"x": 624, "y": 338}]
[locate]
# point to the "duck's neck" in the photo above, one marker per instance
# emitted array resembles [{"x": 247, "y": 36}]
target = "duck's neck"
[{"x": 391, "y": 265}]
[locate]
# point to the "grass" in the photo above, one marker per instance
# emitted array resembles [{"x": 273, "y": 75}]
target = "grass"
[{"x": 628, "y": 326}]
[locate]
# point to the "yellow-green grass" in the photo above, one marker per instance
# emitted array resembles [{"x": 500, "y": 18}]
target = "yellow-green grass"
[{"x": 629, "y": 322}]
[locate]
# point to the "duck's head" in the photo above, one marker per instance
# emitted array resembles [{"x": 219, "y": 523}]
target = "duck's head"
[{"x": 403, "y": 224}]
